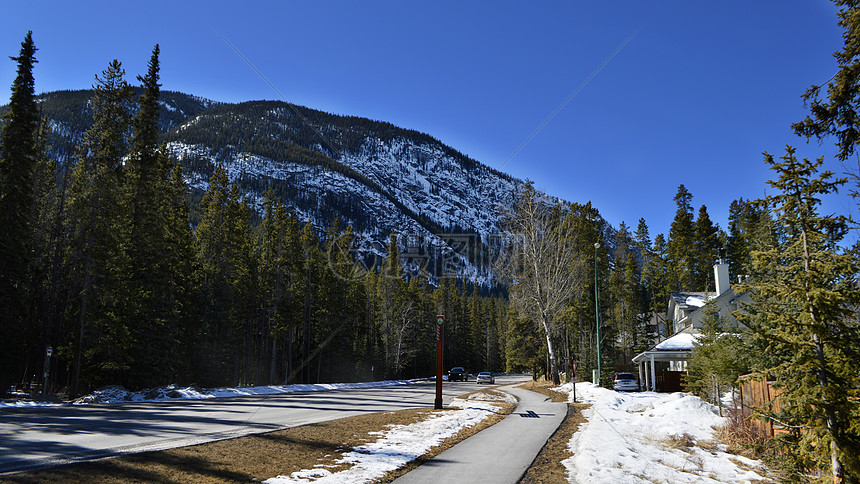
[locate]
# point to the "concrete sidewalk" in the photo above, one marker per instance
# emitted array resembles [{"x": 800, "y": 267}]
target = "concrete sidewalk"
[{"x": 499, "y": 454}]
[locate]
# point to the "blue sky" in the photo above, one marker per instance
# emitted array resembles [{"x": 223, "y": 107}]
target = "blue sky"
[{"x": 695, "y": 96}]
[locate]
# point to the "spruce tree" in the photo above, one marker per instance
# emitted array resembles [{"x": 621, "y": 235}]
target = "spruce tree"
[
  {"x": 222, "y": 245},
  {"x": 275, "y": 277},
  {"x": 656, "y": 275},
  {"x": 738, "y": 247},
  {"x": 837, "y": 115},
  {"x": 98, "y": 227},
  {"x": 47, "y": 275},
  {"x": 750, "y": 228},
  {"x": 719, "y": 357},
  {"x": 804, "y": 296},
  {"x": 154, "y": 306},
  {"x": 18, "y": 160},
  {"x": 180, "y": 310},
  {"x": 681, "y": 243},
  {"x": 625, "y": 297},
  {"x": 642, "y": 239},
  {"x": 706, "y": 250}
]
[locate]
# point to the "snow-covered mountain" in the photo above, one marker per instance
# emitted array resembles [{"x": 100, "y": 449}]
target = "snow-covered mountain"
[{"x": 372, "y": 175}]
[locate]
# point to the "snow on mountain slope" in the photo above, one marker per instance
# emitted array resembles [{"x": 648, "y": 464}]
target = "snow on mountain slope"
[{"x": 433, "y": 183}]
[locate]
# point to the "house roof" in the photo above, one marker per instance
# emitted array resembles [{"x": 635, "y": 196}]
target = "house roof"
[
  {"x": 679, "y": 342},
  {"x": 678, "y": 347},
  {"x": 688, "y": 300}
]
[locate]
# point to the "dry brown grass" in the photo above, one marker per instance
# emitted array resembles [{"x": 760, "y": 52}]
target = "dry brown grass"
[
  {"x": 683, "y": 441},
  {"x": 742, "y": 438},
  {"x": 543, "y": 387},
  {"x": 245, "y": 459}
]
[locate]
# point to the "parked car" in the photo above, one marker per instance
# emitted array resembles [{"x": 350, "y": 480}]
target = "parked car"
[
  {"x": 485, "y": 377},
  {"x": 625, "y": 382},
  {"x": 458, "y": 374}
]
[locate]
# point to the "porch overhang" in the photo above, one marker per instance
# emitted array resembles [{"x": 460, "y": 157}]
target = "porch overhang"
[
  {"x": 668, "y": 355},
  {"x": 646, "y": 363}
]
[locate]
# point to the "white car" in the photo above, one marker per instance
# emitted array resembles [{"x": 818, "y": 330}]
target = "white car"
[
  {"x": 625, "y": 382},
  {"x": 485, "y": 377}
]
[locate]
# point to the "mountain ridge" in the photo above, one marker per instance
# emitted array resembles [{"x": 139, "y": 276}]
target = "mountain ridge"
[{"x": 370, "y": 174}]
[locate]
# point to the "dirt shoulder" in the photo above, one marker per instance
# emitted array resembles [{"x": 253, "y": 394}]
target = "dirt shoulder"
[{"x": 255, "y": 457}]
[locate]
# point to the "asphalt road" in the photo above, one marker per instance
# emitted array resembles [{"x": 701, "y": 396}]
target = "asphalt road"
[{"x": 44, "y": 436}]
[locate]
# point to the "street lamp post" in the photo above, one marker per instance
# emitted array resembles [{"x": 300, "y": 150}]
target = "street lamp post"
[
  {"x": 597, "y": 313},
  {"x": 47, "y": 370},
  {"x": 440, "y": 344}
]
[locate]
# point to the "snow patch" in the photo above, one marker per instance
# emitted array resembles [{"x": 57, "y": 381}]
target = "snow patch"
[{"x": 628, "y": 439}]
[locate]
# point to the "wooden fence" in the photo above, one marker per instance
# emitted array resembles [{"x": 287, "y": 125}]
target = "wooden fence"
[{"x": 758, "y": 392}]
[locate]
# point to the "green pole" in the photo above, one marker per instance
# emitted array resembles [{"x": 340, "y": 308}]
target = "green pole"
[{"x": 597, "y": 313}]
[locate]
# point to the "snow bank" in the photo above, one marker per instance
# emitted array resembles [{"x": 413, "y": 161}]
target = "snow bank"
[
  {"x": 171, "y": 392},
  {"x": 28, "y": 403},
  {"x": 632, "y": 438},
  {"x": 118, "y": 394}
]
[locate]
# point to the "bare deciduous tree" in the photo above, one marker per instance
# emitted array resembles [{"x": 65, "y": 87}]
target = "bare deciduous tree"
[{"x": 541, "y": 263}]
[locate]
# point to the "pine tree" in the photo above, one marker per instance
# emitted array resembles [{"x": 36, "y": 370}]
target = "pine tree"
[
  {"x": 275, "y": 276},
  {"x": 222, "y": 244},
  {"x": 682, "y": 238},
  {"x": 18, "y": 161},
  {"x": 706, "y": 250},
  {"x": 522, "y": 351},
  {"x": 750, "y": 228},
  {"x": 719, "y": 357},
  {"x": 47, "y": 275},
  {"x": 312, "y": 296},
  {"x": 837, "y": 115},
  {"x": 802, "y": 309},
  {"x": 656, "y": 275},
  {"x": 626, "y": 296},
  {"x": 99, "y": 230},
  {"x": 147, "y": 198},
  {"x": 179, "y": 306}
]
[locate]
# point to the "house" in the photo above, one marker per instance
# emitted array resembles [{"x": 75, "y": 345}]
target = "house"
[{"x": 661, "y": 367}]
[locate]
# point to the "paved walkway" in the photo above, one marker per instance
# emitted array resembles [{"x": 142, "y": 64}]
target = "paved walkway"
[{"x": 500, "y": 454}]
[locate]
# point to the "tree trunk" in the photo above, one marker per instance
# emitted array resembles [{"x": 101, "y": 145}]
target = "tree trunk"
[
  {"x": 835, "y": 464},
  {"x": 81, "y": 325},
  {"x": 553, "y": 366},
  {"x": 273, "y": 366}
]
